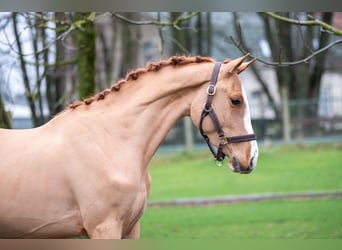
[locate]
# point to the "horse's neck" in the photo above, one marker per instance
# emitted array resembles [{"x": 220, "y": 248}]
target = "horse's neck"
[
  {"x": 158, "y": 101},
  {"x": 144, "y": 110}
]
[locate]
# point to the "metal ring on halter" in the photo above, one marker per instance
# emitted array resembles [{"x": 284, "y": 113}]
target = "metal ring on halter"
[
  {"x": 206, "y": 109},
  {"x": 211, "y": 90}
]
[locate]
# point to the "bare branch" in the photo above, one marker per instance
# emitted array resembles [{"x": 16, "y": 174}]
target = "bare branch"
[
  {"x": 256, "y": 72},
  {"x": 286, "y": 64},
  {"x": 175, "y": 23},
  {"x": 69, "y": 28},
  {"x": 314, "y": 22}
]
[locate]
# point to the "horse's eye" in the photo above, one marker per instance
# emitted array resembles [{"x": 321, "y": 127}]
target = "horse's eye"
[{"x": 235, "y": 102}]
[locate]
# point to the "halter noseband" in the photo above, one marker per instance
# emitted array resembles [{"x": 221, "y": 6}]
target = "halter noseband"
[{"x": 208, "y": 110}]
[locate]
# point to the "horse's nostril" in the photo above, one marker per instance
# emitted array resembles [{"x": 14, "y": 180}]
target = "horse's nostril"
[{"x": 235, "y": 163}]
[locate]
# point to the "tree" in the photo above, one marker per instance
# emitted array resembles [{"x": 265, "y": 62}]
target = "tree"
[
  {"x": 300, "y": 81},
  {"x": 190, "y": 33},
  {"x": 263, "y": 84},
  {"x": 5, "y": 121},
  {"x": 204, "y": 34},
  {"x": 86, "y": 54},
  {"x": 32, "y": 91},
  {"x": 298, "y": 64},
  {"x": 181, "y": 44},
  {"x": 298, "y": 43},
  {"x": 39, "y": 45},
  {"x": 56, "y": 72},
  {"x": 191, "y": 41}
]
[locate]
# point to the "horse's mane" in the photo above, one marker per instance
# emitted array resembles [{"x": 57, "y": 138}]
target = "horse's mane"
[{"x": 135, "y": 74}]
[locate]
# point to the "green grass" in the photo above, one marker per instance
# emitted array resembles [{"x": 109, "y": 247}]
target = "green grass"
[
  {"x": 280, "y": 170},
  {"x": 261, "y": 220}
]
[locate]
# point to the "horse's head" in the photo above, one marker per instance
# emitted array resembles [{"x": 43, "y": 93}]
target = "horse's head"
[{"x": 221, "y": 112}]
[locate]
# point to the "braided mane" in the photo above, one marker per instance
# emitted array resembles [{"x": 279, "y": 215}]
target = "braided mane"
[{"x": 135, "y": 74}]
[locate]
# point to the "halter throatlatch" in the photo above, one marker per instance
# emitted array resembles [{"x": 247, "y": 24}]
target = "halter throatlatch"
[{"x": 208, "y": 110}]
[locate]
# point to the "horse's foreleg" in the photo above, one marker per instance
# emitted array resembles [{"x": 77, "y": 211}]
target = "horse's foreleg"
[
  {"x": 134, "y": 233},
  {"x": 108, "y": 229}
]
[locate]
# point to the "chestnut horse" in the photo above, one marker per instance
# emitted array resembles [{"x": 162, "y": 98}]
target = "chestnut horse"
[{"x": 85, "y": 172}]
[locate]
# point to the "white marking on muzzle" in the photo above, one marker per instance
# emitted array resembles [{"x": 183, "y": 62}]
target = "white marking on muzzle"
[{"x": 248, "y": 126}]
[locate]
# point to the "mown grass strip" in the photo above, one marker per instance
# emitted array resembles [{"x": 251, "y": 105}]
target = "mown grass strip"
[{"x": 245, "y": 198}]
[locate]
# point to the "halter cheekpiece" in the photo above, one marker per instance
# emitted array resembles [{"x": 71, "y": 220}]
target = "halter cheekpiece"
[{"x": 208, "y": 110}]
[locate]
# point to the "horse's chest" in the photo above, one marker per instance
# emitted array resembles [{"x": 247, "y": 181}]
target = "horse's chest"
[{"x": 138, "y": 204}]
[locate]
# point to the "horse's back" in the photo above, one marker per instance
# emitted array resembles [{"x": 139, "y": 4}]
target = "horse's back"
[{"x": 15, "y": 146}]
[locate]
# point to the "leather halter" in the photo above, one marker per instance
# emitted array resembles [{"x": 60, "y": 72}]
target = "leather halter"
[{"x": 208, "y": 110}]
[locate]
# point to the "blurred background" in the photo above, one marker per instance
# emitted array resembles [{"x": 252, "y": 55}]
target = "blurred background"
[{"x": 50, "y": 59}]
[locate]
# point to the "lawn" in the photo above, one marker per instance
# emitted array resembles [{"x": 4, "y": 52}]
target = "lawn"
[
  {"x": 261, "y": 220},
  {"x": 280, "y": 170}
]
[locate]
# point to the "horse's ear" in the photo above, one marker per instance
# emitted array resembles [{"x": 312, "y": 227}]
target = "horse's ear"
[
  {"x": 244, "y": 66},
  {"x": 238, "y": 66}
]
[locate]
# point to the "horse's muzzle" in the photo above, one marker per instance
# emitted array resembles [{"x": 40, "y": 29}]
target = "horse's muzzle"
[{"x": 236, "y": 167}]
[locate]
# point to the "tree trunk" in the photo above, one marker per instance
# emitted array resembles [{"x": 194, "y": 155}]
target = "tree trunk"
[
  {"x": 285, "y": 113},
  {"x": 203, "y": 34},
  {"x": 117, "y": 43},
  {"x": 182, "y": 40},
  {"x": 36, "y": 36},
  {"x": 129, "y": 46},
  {"x": 29, "y": 94},
  {"x": 86, "y": 55},
  {"x": 314, "y": 82},
  {"x": 255, "y": 70},
  {"x": 5, "y": 121},
  {"x": 182, "y": 45},
  {"x": 56, "y": 78},
  {"x": 291, "y": 43}
]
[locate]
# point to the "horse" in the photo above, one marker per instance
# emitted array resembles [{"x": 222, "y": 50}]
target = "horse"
[{"x": 85, "y": 172}]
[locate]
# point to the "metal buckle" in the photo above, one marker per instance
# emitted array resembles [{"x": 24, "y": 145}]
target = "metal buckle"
[
  {"x": 223, "y": 139},
  {"x": 211, "y": 90}
]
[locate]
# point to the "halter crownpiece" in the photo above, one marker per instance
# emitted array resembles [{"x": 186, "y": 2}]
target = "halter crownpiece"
[{"x": 208, "y": 110}]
